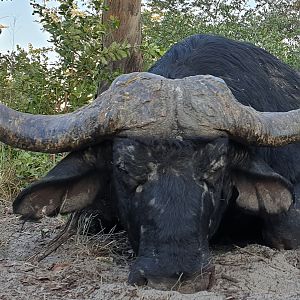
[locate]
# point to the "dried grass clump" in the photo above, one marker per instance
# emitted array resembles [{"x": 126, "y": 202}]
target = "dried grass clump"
[
  {"x": 108, "y": 244},
  {"x": 9, "y": 184}
]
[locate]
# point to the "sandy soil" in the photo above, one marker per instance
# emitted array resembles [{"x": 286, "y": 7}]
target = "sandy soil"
[{"x": 97, "y": 268}]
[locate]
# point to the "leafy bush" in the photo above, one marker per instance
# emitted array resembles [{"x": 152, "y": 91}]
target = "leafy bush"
[
  {"x": 270, "y": 24},
  {"x": 18, "y": 168}
]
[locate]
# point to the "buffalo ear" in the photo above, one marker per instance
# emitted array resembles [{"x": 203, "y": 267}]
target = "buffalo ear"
[
  {"x": 261, "y": 190},
  {"x": 71, "y": 185}
]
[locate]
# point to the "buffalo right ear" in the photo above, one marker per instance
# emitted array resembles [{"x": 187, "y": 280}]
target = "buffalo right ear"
[
  {"x": 71, "y": 185},
  {"x": 262, "y": 190}
]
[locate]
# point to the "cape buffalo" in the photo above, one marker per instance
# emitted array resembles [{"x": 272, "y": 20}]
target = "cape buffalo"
[{"x": 164, "y": 153}]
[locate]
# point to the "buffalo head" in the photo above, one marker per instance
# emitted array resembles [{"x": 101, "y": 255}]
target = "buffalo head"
[{"x": 163, "y": 157}]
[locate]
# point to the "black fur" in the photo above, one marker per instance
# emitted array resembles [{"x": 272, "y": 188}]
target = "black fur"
[
  {"x": 255, "y": 77},
  {"x": 258, "y": 79}
]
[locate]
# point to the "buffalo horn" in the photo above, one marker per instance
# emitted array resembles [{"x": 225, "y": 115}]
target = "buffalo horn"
[{"x": 144, "y": 104}]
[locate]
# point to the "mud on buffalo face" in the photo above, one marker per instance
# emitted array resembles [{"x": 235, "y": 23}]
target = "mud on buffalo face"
[{"x": 171, "y": 197}]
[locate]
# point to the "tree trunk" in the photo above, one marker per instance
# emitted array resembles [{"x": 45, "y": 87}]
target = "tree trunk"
[{"x": 128, "y": 12}]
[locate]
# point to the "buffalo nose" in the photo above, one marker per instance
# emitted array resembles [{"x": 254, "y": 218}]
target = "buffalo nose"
[{"x": 179, "y": 282}]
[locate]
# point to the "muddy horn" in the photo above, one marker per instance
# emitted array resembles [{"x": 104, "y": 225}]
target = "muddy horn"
[{"x": 144, "y": 104}]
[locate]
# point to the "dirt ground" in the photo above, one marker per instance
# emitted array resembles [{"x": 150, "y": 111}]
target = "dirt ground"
[{"x": 97, "y": 268}]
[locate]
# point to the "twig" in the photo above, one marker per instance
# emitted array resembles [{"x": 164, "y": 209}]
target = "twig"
[
  {"x": 229, "y": 278},
  {"x": 69, "y": 230}
]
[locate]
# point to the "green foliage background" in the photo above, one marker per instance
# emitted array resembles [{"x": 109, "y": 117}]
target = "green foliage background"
[
  {"x": 271, "y": 24},
  {"x": 30, "y": 82}
]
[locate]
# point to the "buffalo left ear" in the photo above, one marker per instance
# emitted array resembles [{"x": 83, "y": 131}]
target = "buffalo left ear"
[
  {"x": 261, "y": 190},
  {"x": 73, "y": 184},
  {"x": 50, "y": 198}
]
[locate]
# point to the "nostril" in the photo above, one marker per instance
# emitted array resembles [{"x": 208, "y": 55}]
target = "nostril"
[
  {"x": 159, "y": 275},
  {"x": 137, "y": 278},
  {"x": 164, "y": 284},
  {"x": 185, "y": 283}
]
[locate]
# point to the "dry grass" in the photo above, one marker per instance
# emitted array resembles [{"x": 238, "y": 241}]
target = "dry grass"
[
  {"x": 107, "y": 246},
  {"x": 18, "y": 168},
  {"x": 9, "y": 184}
]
